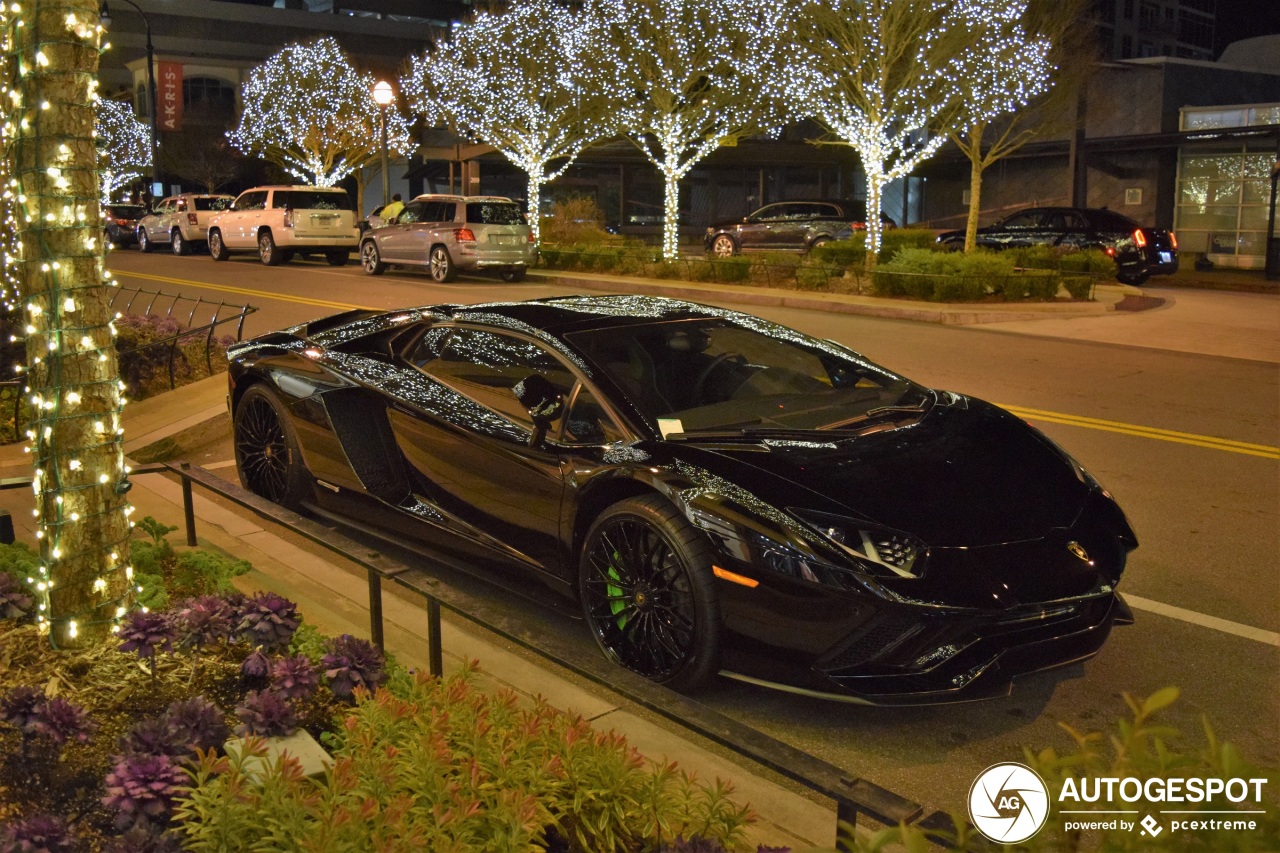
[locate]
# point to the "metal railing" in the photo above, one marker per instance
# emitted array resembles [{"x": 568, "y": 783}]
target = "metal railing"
[
  {"x": 173, "y": 306},
  {"x": 853, "y": 796}
]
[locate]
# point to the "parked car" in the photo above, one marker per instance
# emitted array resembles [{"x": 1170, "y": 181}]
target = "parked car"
[
  {"x": 278, "y": 222},
  {"x": 120, "y": 223},
  {"x": 715, "y": 490},
  {"x": 1139, "y": 252},
  {"x": 789, "y": 226},
  {"x": 448, "y": 233},
  {"x": 181, "y": 221}
]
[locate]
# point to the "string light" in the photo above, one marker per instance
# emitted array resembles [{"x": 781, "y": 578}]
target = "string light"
[
  {"x": 124, "y": 146},
  {"x": 883, "y": 75},
  {"x": 309, "y": 111},
  {"x": 523, "y": 80},
  {"x": 54, "y": 274}
]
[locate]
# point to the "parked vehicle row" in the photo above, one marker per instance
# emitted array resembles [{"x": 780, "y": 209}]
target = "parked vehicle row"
[{"x": 441, "y": 233}]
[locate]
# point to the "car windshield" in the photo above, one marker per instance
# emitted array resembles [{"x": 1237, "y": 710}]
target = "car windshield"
[
  {"x": 718, "y": 374},
  {"x": 223, "y": 203},
  {"x": 494, "y": 213},
  {"x": 311, "y": 200}
]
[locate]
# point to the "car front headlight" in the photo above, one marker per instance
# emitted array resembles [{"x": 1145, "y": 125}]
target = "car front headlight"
[{"x": 879, "y": 551}]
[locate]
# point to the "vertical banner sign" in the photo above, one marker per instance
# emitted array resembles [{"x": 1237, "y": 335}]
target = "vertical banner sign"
[{"x": 169, "y": 95}]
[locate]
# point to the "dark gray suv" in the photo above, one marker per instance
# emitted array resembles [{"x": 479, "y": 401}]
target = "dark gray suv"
[{"x": 789, "y": 226}]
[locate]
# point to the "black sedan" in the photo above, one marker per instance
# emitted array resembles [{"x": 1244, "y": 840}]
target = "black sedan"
[
  {"x": 718, "y": 492},
  {"x": 1139, "y": 252},
  {"x": 120, "y": 223}
]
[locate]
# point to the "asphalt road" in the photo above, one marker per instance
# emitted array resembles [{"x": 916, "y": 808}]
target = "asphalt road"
[{"x": 1206, "y": 517}]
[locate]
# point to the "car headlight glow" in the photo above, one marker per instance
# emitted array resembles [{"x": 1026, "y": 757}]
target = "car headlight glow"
[{"x": 881, "y": 551}]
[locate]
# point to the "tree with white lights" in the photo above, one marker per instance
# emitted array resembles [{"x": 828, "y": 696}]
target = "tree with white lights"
[
  {"x": 1023, "y": 87},
  {"x": 690, "y": 76},
  {"x": 523, "y": 80},
  {"x": 308, "y": 110},
  {"x": 124, "y": 146},
  {"x": 83, "y": 585},
  {"x": 879, "y": 74}
]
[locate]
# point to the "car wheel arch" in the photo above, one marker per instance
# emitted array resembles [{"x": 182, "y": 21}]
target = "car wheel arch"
[{"x": 612, "y": 490}]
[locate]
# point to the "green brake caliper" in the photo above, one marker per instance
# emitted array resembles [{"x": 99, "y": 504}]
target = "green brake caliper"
[{"x": 615, "y": 592}]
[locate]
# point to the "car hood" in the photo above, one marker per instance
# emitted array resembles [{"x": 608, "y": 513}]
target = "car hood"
[{"x": 964, "y": 476}]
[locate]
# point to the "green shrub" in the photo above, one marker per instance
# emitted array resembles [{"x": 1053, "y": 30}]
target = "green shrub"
[
  {"x": 1042, "y": 284},
  {"x": 701, "y": 270},
  {"x": 1035, "y": 257},
  {"x": 895, "y": 240},
  {"x": 841, "y": 253},
  {"x": 1094, "y": 261},
  {"x": 577, "y": 220},
  {"x": 815, "y": 277},
  {"x": 1079, "y": 286},
  {"x": 428, "y": 764},
  {"x": 736, "y": 268}
]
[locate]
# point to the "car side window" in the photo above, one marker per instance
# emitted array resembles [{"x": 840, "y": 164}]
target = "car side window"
[
  {"x": 413, "y": 212},
  {"x": 807, "y": 212},
  {"x": 772, "y": 213},
  {"x": 486, "y": 365},
  {"x": 429, "y": 347},
  {"x": 179, "y": 206},
  {"x": 1022, "y": 220},
  {"x": 588, "y": 422},
  {"x": 826, "y": 211},
  {"x": 252, "y": 201},
  {"x": 433, "y": 211}
]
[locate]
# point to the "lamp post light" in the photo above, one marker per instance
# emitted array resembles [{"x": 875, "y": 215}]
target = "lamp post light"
[
  {"x": 383, "y": 96},
  {"x": 105, "y": 18}
]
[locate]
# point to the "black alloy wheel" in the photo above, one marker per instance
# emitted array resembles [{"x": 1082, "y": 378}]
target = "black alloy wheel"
[
  {"x": 267, "y": 449},
  {"x": 648, "y": 593}
]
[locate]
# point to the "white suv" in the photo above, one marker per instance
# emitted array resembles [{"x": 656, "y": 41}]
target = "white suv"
[
  {"x": 182, "y": 221},
  {"x": 278, "y": 222}
]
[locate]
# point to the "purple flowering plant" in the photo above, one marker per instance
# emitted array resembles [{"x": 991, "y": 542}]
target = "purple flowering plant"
[
  {"x": 14, "y": 603},
  {"x": 350, "y": 663},
  {"x": 38, "y": 834},
  {"x": 142, "y": 789},
  {"x": 294, "y": 677},
  {"x": 203, "y": 620},
  {"x": 196, "y": 723},
  {"x": 145, "y": 633},
  {"x": 266, "y": 713},
  {"x": 269, "y": 620}
]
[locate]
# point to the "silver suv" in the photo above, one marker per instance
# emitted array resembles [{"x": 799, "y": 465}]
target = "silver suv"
[
  {"x": 279, "y": 222},
  {"x": 447, "y": 233},
  {"x": 182, "y": 221}
]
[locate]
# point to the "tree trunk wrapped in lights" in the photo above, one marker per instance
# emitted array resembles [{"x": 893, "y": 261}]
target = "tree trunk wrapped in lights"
[
  {"x": 84, "y": 583},
  {"x": 689, "y": 77},
  {"x": 524, "y": 80}
]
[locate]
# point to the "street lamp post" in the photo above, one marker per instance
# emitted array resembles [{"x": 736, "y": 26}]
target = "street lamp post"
[
  {"x": 105, "y": 16},
  {"x": 383, "y": 96}
]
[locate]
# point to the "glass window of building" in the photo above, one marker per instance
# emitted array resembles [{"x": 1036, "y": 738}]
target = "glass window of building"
[{"x": 1222, "y": 203}]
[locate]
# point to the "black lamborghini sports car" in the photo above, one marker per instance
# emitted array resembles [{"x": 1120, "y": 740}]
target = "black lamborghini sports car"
[{"x": 718, "y": 492}]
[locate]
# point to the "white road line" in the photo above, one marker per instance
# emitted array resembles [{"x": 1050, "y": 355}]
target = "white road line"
[{"x": 1271, "y": 638}]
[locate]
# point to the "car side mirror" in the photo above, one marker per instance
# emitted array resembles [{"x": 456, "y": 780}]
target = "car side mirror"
[{"x": 543, "y": 402}]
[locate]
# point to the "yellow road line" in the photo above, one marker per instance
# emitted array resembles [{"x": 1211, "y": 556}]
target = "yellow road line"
[
  {"x": 243, "y": 291},
  {"x": 1207, "y": 441},
  {"x": 1231, "y": 446}
]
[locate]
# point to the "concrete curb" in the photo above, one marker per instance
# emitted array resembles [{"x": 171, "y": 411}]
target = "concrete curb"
[{"x": 958, "y": 314}]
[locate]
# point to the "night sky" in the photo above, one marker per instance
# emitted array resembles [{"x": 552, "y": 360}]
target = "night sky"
[{"x": 1242, "y": 19}]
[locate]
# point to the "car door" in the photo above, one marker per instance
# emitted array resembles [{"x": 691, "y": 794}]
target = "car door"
[
  {"x": 759, "y": 229},
  {"x": 243, "y": 221},
  {"x": 470, "y": 449},
  {"x": 394, "y": 239},
  {"x": 1020, "y": 229},
  {"x": 437, "y": 216},
  {"x": 154, "y": 223},
  {"x": 1075, "y": 231}
]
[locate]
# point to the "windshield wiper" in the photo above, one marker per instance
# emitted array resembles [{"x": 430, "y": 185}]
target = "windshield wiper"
[
  {"x": 755, "y": 434},
  {"x": 878, "y": 411}
]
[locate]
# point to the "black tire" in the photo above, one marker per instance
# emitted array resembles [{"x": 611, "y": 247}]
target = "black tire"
[
  {"x": 724, "y": 246},
  {"x": 371, "y": 259},
  {"x": 821, "y": 241},
  {"x": 441, "y": 265},
  {"x": 648, "y": 594},
  {"x": 178, "y": 244},
  {"x": 337, "y": 257},
  {"x": 144, "y": 245},
  {"x": 268, "y": 252},
  {"x": 1134, "y": 278},
  {"x": 514, "y": 274},
  {"x": 266, "y": 448},
  {"x": 217, "y": 248}
]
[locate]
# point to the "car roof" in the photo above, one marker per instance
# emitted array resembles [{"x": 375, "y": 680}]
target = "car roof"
[
  {"x": 562, "y": 314},
  {"x": 448, "y": 197},
  {"x": 294, "y": 187}
]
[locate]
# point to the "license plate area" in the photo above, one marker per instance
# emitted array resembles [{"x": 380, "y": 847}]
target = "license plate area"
[
  {"x": 1166, "y": 257},
  {"x": 503, "y": 239}
]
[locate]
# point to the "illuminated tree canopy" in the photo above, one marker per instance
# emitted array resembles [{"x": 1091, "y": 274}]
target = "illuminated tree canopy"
[
  {"x": 882, "y": 74},
  {"x": 313, "y": 114},
  {"x": 522, "y": 80},
  {"x": 688, "y": 77},
  {"x": 124, "y": 146}
]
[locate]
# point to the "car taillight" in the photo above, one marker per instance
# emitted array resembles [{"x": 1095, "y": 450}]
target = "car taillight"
[
  {"x": 528, "y": 238},
  {"x": 858, "y": 226},
  {"x": 1110, "y": 250},
  {"x": 464, "y": 235},
  {"x": 123, "y": 222},
  {"x": 288, "y": 217},
  {"x": 1139, "y": 238},
  {"x": 192, "y": 219},
  {"x": 1173, "y": 239}
]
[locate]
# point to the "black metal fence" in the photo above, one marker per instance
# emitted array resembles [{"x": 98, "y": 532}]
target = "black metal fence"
[{"x": 223, "y": 320}]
